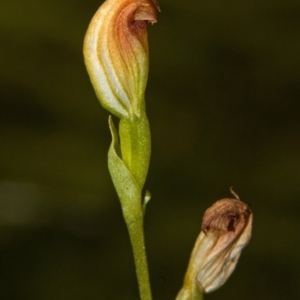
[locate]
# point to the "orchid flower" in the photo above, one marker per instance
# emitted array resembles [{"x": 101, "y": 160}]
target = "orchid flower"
[{"x": 116, "y": 57}]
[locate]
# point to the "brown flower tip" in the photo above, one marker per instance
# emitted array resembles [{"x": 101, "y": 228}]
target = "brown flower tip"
[
  {"x": 226, "y": 215},
  {"x": 131, "y": 24}
]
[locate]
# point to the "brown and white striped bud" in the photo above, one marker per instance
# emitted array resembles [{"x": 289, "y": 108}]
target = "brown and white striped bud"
[{"x": 116, "y": 54}]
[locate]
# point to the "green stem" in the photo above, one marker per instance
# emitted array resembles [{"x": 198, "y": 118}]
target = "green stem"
[
  {"x": 190, "y": 290},
  {"x": 136, "y": 233},
  {"x": 135, "y": 142},
  {"x": 186, "y": 294}
]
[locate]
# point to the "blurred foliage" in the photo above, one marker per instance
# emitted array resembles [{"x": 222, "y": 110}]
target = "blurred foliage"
[{"x": 223, "y": 103}]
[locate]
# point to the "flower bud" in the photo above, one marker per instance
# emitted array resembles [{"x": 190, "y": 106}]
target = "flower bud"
[
  {"x": 226, "y": 230},
  {"x": 116, "y": 54}
]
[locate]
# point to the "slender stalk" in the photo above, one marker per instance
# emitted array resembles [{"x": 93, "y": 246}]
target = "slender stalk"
[
  {"x": 136, "y": 233},
  {"x": 190, "y": 291}
]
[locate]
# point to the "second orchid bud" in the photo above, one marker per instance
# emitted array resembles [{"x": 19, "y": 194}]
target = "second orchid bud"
[{"x": 226, "y": 230}]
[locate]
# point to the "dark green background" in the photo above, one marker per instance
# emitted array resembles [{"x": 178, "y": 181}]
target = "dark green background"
[{"x": 223, "y": 99}]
